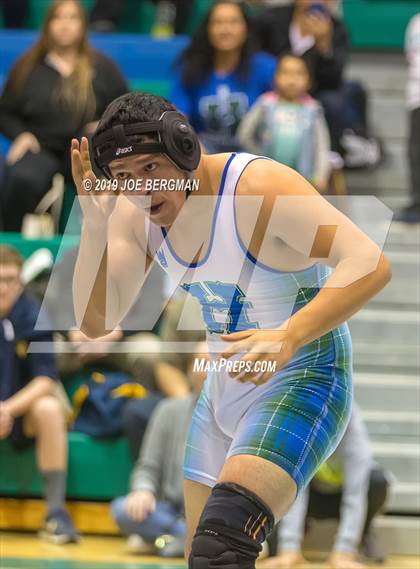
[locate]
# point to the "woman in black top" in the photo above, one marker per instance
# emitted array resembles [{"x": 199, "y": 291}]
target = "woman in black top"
[{"x": 53, "y": 93}]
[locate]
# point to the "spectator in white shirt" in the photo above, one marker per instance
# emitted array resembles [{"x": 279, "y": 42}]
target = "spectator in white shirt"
[{"x": 411, "y": 214}]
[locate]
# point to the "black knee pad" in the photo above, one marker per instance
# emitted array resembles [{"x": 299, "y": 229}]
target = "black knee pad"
[{"x": 231, "y": 530}]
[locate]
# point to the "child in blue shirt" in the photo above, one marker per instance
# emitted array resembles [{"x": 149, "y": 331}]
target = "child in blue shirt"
[{"x": 288, "y": 125}]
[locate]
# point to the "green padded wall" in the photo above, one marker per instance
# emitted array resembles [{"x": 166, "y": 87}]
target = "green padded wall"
[
  {"x": 200, "y": 9},
  {"x": 57, "y": 245},
  {"x": 138, "y": 17},
  {"x": 378, "y": 23},
  {"x": 98, "y": 469},
  {"x": 69, "y": 227},
  {"x": 372, "y": 23},
  {"x": 161, "y": 88},
  {"x": 38, "y": 9}
]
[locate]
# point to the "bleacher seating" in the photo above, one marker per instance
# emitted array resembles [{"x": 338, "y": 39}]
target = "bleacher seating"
[
  {"x": 147, "y": 63},
  {"x": 386, "y": 333},
  {"x": 98, "y": 469},
  {"x": 378, "y": 24},
  {"x": 92, "y": 474},
  {"x": 138, "y": 16}
]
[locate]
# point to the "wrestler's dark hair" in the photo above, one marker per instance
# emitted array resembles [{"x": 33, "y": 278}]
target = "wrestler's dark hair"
[{"x": 133, "y": 108}]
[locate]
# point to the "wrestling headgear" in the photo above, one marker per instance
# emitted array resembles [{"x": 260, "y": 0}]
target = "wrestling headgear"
[{"x": 175, "y": 138}]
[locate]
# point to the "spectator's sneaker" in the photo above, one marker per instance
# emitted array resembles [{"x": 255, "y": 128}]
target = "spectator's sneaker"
[
  {"x": 170, "y": 546},
  {"x": 372, "y": 549},
  {"x": 410, "y": 214},
  {"x": 359, "y": 151},
  {"x": 59, "y": 528},
  {"x": 138, "y": 546}
]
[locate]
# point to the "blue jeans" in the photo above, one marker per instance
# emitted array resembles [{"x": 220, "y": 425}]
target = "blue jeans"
[
  {"x": 166, "y": 519},
  {"x": 345, "y": 108}
]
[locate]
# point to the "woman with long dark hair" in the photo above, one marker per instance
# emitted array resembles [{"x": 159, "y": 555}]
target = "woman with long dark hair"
[
  {"x": 54, "y": 90},
  {"x": 221, "y": 74}
]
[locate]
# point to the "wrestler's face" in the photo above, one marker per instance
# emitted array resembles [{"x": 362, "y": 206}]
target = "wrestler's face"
[
  {"x": 66, "y": 27},
  {"x": 142, "y": 179},
  {"x": 10, "y": 287}
]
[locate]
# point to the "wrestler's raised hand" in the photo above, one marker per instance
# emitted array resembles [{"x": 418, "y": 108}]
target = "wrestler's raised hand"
[{"x": 96, "y": 200}]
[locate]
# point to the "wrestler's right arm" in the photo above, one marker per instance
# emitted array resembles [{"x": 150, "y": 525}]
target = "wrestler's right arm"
[{"x": 111, "y": 263}]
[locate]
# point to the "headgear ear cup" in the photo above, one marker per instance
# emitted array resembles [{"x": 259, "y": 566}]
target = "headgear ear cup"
[{"x": 180, "y": 140}]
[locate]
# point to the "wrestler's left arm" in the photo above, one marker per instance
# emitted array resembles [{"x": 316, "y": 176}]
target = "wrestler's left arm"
[{"x": 311, "y": 226}]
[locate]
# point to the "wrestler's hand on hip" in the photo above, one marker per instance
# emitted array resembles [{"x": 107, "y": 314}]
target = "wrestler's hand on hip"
[
  {"x": 97, "y": 206},
  {"x": 260, "y": 348}
]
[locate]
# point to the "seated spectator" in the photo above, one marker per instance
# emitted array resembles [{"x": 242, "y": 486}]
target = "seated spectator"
[
  {"x": 349, "y": 488},
  {"x": 288, "y": 125},
  {"x": 310, "y": 29},
  {"x": 154, "y": 507},
  {"x": 171, "y": 16},
  {"x": 411, "y": 214},
  {"x": 141, "y": 360},
  {"x": 161, "y": 374},
  {"x": 14, "y": 13},
  {"x": 221, "y": 75},
  {"x": 30, "y": 407},
  {"x": 53, "y": 93}
]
